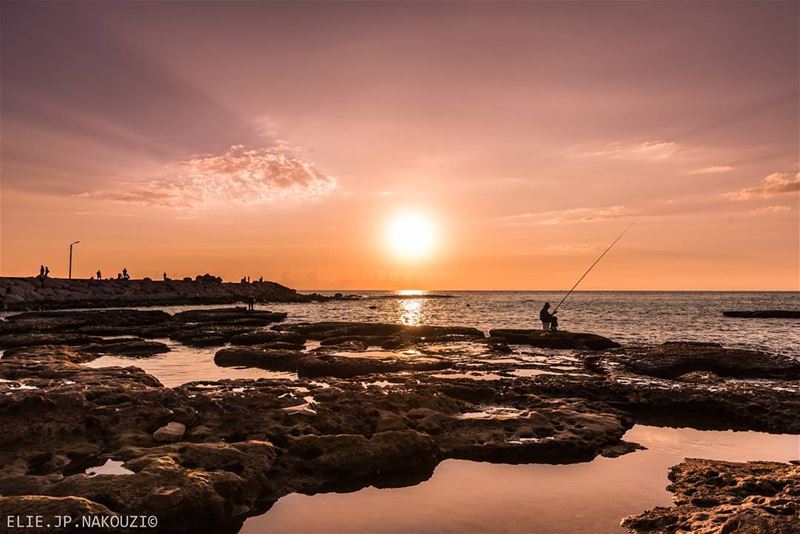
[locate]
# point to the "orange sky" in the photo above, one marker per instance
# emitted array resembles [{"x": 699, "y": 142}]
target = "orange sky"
[{"x": 280, "y": 139}]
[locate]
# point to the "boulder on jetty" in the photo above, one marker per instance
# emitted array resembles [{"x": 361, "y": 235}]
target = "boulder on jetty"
[
  {"x": 54, "y": 293},
  {"x": 763, "y": 314},
  {"x": 675, "y": 359},
  {"x": 715, "y": 496},
  {"x": 559, "y": 339}
]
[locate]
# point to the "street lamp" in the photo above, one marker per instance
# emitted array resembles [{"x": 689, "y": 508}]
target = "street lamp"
[{"x": 70, "y": 257}]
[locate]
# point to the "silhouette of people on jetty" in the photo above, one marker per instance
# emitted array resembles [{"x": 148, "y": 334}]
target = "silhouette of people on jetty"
[
  {"x": 166, "y": 278},
  {"x": 44, "y": 272},
  {"x": 549, "y": 320},
  {"x": 99, "y": 274}
]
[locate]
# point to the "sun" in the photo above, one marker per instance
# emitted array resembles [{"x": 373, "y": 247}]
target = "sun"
[{"x": 411, "y": 236}]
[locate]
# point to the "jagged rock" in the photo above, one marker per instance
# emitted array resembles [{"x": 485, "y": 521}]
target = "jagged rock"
[
  {"x": 764, "y": 314},
  {"x": 671, "y": 360},
  {"x": 131, "y": 347},
  {"x": 73, "y": 319},
  {"x": 261, "y": 337},
  {"x": 560, "y": 339},
  {"x": 31, "y": 340},
  {"x": 349, "y": 458},
  {"x": 50, "y": 511},
  {"x": 372, "y": 333},
  {"x": 350, "y": 366},
  {"x": 262, "y": 358},
  {"x": 230, "y": 316},
  {"x": 170, "y": 432},
  {"x": 715, "y": 496}
]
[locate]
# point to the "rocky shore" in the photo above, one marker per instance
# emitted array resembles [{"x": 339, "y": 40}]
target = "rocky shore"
[
  {"x": 370, "y": 404},
  {"x": 763, "y": 314},
  {"x": 54, "y": 293}
]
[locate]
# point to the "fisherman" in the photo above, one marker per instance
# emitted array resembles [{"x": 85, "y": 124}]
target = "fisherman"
[{"x": 549, "y": 320}]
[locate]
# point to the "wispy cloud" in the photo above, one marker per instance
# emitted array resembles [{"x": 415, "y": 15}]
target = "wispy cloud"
[
  {"x": 770, "y": 210},
  {"x": 567, "y": 216},
  {"x": 239, "y": 175},
  {"x": 714, "y": 169},
  {"x": 776, "y": 183},
  {"x": 646, "y": 150}
]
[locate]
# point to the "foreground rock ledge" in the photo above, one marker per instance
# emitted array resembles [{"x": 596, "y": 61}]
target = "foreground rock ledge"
[
  {"x": 714, "y": 496},
  {"x": 560, "y": 339},
  {"x": 242, "y": 444}
]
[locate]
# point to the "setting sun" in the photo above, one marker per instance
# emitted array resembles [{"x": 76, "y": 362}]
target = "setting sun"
[{"x": 411, "y": 236}]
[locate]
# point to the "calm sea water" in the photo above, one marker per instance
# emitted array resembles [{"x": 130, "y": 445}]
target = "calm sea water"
[{"x": 626, "y": 317}]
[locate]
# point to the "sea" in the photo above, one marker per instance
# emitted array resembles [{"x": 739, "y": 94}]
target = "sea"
[{"x": 628, "y": 317}]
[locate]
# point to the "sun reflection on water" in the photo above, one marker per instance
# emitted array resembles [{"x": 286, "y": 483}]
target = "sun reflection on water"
[
  {"x": 411, "y": 311},
  {"x": 410, "y": 292}
]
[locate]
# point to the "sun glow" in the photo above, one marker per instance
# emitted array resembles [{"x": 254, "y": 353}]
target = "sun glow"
[{"x": 411, "y": 236}]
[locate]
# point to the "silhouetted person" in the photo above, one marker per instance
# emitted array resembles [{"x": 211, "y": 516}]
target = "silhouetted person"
[
  {"x": 99, "y": 274},
  {"x": 125, "y": 275},
  {"x": 41, "y": 271},
  {"x": 261, "y": 279},
  {"x": 46, "y": 271},
  {"x": 549, "y": 320},
  {"x": 166, "y": 278}
]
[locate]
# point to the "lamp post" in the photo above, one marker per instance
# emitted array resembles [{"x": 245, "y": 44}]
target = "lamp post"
[{"x": 70, "y": 257}]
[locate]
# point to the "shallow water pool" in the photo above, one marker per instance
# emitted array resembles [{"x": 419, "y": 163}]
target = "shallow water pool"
[{"x": 465, "y": 496}]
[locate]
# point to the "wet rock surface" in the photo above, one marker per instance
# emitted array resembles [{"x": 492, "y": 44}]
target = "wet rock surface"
[
  {"x": 671, "y": 360},
  {"x": 206, "y": 455},
  {"x": 763, "y": 314},
  {"x": 559, "y": 339},
  {"x": 714, "y": 496}
]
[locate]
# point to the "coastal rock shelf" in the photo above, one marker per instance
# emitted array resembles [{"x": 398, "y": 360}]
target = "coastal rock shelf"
[
  {"x": 559, "y": 339},
  {"x": 52, "y": 293},
  {"x": 713, "y": 496},
  {"x": 764, "y": 314},
  {"x": 366, "y": 404}
]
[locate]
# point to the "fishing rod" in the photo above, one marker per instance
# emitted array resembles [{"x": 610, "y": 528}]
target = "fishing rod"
[{"x": 592, "y": 266}]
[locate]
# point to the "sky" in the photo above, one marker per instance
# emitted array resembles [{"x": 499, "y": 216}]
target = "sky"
[{"x": 284, "y": 140}]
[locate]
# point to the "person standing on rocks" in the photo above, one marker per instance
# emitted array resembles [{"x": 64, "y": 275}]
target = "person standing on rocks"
[
  {"x": 549, "y": 320},
  {"x": 99, "y": 274}
]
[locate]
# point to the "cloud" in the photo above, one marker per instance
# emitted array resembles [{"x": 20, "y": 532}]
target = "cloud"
[
  {"x": 568, "y": 216},
  {"x": 238, "y": 176},
  {"x": 776, "y": 183},
  {"x": 714, "y": 169},
  {"x": 646, "y": 150},
  {"x": 769, "y": 210}
]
